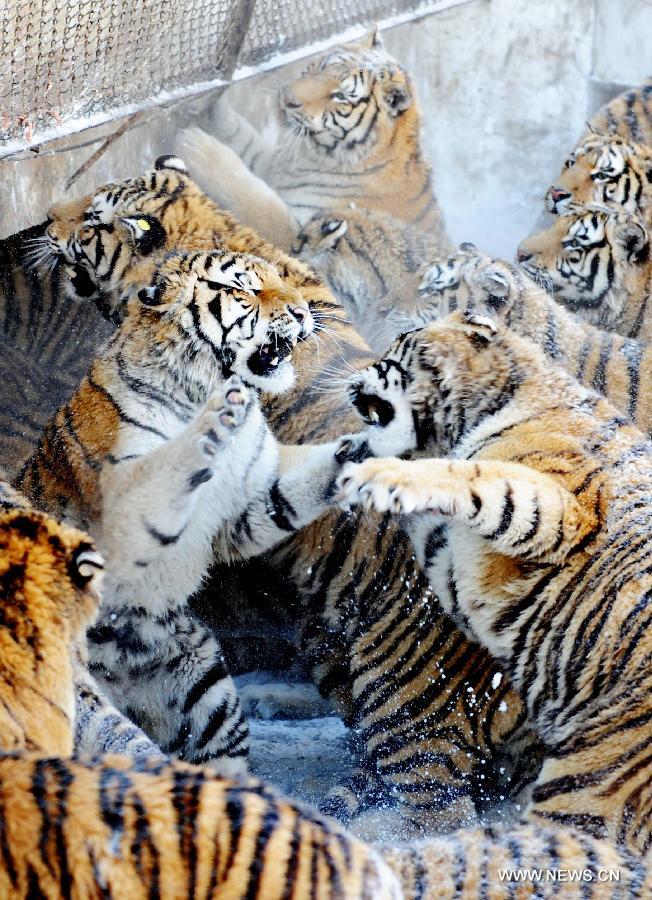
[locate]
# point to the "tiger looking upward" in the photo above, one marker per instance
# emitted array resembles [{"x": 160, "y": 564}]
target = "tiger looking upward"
[
  {"x": 350, "y": 137},
  {"x": 163, "y": 454},
  {"x": 369, "y": 627},
  {"x": 529, "y": 507},
  {"x": 114, "y": 826},
  {"x": 596, "y": 260}
]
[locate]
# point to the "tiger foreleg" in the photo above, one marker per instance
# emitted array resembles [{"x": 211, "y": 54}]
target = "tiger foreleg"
[
  {"x": 161, "y": 488},
  {"x": 242, "y": 138},
  {"x": 520, "y": 511}
]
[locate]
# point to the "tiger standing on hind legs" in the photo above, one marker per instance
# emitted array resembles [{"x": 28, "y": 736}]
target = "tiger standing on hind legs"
[
  {"x": 115, "y": 826},
  {"x": 164, "y": 454},
  {"x": 533, "y": 521},
  {"x": 371, "y": 631}
]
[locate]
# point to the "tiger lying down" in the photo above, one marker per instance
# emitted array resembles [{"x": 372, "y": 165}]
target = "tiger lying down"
[
  {"x": 115, "y": 826},
  {"x": 529, "y": 506},
  {"x": 163, "y": 453}
]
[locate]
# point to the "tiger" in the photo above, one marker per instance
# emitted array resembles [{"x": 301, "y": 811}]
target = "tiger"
[
  {"x": 118, "y": 826},
  {"x": 606, "y": 169},
  {"x": 369, "y": 629},
  {"x": 469, "y": 280},
  {"x": 371, "y": 261},
  {"x": 628, "y": 114},
  {"x": 164, "y": 455},
  {"x": 596, "y": 261},
  {"x": 350, "y": 137},
  {"x": 528, "y": 503},
  {"x": 46, "y": 342},
  {"x": 99, "y": 726}
]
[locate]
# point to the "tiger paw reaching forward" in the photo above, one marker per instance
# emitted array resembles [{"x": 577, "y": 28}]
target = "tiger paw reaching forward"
[
  {"x": 164, "y": 455},
  {"x": 534, "y": 524}
]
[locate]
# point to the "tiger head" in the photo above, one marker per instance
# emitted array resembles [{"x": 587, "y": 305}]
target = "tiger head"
[
  {"x": 113, "y": 238},
  {"x": 352, "y": 101},
  {"x": 594, "y": 259},
  {"x": 604, "y": 168},
  {"x": 435, "y": 384},
  {"x": 49, "y": 593},
  {"x": 209, "y": 315}
]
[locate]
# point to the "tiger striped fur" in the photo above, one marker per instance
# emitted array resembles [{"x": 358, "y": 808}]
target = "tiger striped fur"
[
  {"x": 614, "y": 366},
  {"x": 596, "y": 260},
  {"x": 529, "y": 506},
  {"x": 133, "y": 458},
  {"x": 372, "y": 262},
  {"x": 116, "y": 827},
  {"x": 99, "y": 727},
  {"x": 369, "y": 626},
  {"x": 46, "y": 343},
  {"x": 350, "y": 137},
  {"x": 629, "y": 115},
  {"x": 606, "y": 169}
]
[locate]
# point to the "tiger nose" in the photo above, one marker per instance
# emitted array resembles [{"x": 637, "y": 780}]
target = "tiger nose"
[
  {"x": 290, "y": 101},
  {"x": 557, "y": 194},
  {"x": 522, "y": 255}
]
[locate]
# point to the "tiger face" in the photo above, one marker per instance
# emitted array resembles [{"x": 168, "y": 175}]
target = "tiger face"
[
  {"x": 432, "y": 385},
  {"x": 593, "y": 259},
  {"x": 212, "y": 315},
  {"x": 348, "y": 102},
  {"x": 605, "y": 168}
]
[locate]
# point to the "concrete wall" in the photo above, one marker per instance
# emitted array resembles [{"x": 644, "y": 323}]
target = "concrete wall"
[{"x": 505, "y": 85}]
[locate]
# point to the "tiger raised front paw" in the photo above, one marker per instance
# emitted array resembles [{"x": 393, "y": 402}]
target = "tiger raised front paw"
[{"x": 392, "y": 485}]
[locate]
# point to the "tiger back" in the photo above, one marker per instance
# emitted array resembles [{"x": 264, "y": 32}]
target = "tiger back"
[
  {"x": 596, "y": 260},
  {"x": 357, "y": 614},
  {"x": 350, "y": 137},
  {"x": 116, "y": 826},
  {"x": 628, "y": 114}
]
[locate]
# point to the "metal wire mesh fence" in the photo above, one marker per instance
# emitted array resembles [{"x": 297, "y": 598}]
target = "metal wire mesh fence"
[{"x": 66, "y": 64}]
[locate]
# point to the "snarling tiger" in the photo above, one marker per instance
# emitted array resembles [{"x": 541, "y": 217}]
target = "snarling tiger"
[
  {"x": 165, "y": 456},
  {"x": 596, "y": 260},
  {"x": 373, "y": 264},
  {"x": 114, "y": 826},
  {"x": 471, "y": 281},
  {"x": 528, "y": 503},
  {"x": 607, "y": 169},
  {"x": 350, "y": 137},
  {"x": 370, "y": 629}
]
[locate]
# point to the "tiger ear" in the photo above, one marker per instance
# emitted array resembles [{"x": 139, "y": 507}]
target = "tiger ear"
[
  {"x": 150, "y": 296},
  {"x": 372, "y": 39},
  {"x": 331, "y": 231},
  {"x": 396, "y": 97},
  {"x": 634, "y": 239},
  {"x": 146, "y": 232},
  {"x": 496, "y": 286},
  {"x": 481, "y": 330},
  {"x": 171, "y": 162}
]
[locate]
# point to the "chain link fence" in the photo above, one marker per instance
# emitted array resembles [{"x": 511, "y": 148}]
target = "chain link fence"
[{"x": 68, "y": 64}]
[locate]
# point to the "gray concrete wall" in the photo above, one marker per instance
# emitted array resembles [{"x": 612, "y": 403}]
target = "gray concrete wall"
[{"x": 505, "y": 86}]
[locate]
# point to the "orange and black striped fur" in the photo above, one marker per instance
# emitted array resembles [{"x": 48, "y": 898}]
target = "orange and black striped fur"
[
  {"x": 605, "y": 168},
  {"x": 629, "y": 115},
  {"x": 372, "y": 262},
  {"x": 529, "y": 507},
  {"x": 350, "y": 136},
  {"x": 114, "y": 826},
  {"x": 369, "y": 627},
  {"x": 596, "y": 260},
  {"x": 165, "y": 456},
  {"x": 615, "y": 366}
]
